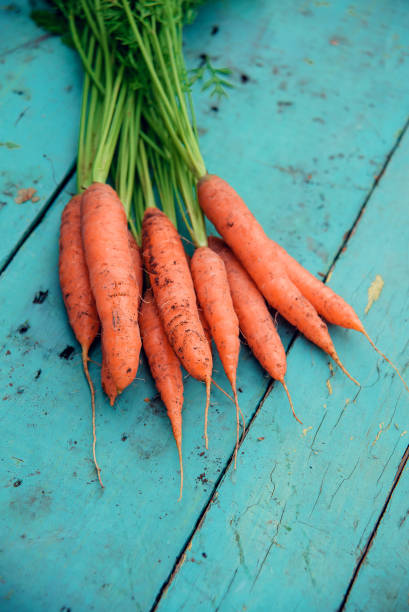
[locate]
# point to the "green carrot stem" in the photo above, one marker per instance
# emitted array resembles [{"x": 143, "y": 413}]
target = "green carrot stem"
[
  {"x": 85, "y": 60},
  {"x": 112, "y": 120}
]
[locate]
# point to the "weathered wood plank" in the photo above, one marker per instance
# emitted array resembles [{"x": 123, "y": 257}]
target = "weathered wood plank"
[
  {"x": 285, "y": 531},
  {"x": 382, "y": 583},
  {"x": 103, "y": 550},
  {"x": 40, "y": 85}
]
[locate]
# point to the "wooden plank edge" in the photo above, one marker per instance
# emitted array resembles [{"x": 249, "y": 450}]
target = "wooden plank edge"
[
  {"x": 376, "y": 181},
  {"x": 38, "y": 219},
  {"x": 374, "y": 531}
]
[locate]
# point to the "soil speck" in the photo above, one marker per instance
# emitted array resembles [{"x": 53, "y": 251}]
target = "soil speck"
[
  {"x": 24, "y": 327},
  {"x": 67, "y": 352},
  {"x": 40, "y": 297}
]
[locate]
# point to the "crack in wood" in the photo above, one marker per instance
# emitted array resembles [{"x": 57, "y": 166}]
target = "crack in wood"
[
  {"x": 273, "y": 541},
  {"x": 320, "y": 491},
  {"x": 342, "y": 482},
  {"x": 27, "y": 45}
]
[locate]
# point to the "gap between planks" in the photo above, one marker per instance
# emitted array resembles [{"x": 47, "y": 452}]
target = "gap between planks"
[
  {"x": 213, "y": 495},
  {"x": 372, "y": 536},
  {"x": 36, "y": 222}
]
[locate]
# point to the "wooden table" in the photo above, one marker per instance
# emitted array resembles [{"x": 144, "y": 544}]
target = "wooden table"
[{"x": 314, "y": 137}]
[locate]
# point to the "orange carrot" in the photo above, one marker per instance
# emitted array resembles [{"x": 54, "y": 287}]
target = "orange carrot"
[
  {"x": 137, "y": 262},
  {"x": 212, "y": 290},
  {"x": 256, "y": 323},
  {"x": 205, "y": 325},
  {"x": 247, "y": 239},
  {"x": 113, "y": 281},
  {"x": 108, "y": 384},
  {"x": 77, "y": 295},
  {"x": 165, "y": 368},
  {"x": 326, "y": 302},
  {"x": 172, "y": 285}
]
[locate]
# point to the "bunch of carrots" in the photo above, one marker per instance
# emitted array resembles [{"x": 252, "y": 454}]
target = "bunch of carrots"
[{"x": 138, "y": 132}]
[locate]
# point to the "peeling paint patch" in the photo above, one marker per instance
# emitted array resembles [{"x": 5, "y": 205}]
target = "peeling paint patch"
[
  {"x": 374, "y": 292},
  {"x": 381, "y": 429},
  {"x": 306, "y": 430}
]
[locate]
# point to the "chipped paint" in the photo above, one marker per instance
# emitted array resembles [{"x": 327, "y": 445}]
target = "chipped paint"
[
  {"x": 381, "y": 430},
  {"x": 374, "y": 292},
  {"x": 306, "y": 430},
  {"x": 329, "y": 387}
]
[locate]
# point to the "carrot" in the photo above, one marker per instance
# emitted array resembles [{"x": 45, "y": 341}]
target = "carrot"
[
  {"x": 77, "y": 295},
  {"x": 256, "y": 323},
  {"x": 137, "y": 262},
  {"x": 212, "y": 290},
  {"x": 247, "y": 239},
  {"x": 172, "y": 286},
  {"x": 113, "y": 282},
  {"x": 165, "y": 368},
  {"x": 326, "y": 302},
  {"x": 107, "y": 382},
  {"x": 206, "y": 330},
  {"x": 205, "y": 325}
]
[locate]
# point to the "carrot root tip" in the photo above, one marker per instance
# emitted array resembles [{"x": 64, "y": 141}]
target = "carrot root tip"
[
  {"x": 372, "y": 343},
  {"x": 290, "y": 401},
  {"x": 343, "y": 368},
  {"x": 94, "y": 435}
]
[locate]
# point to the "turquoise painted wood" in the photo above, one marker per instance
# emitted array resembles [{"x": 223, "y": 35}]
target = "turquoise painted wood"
[
  {"x": 40, "y": 88},
  {"x": 384, "y": 586},
  {"x": 286, "y": 529},
  {"x": 319, "y": 111}
]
